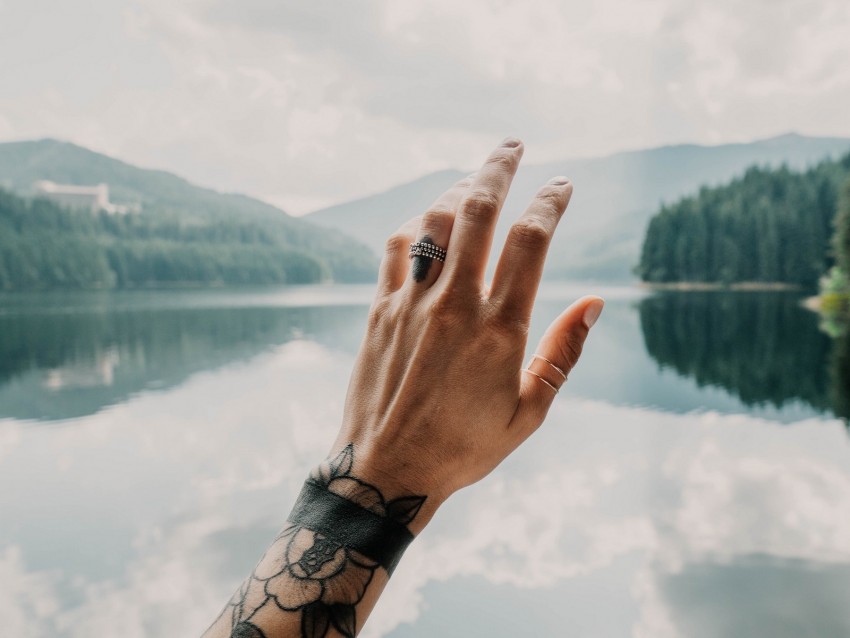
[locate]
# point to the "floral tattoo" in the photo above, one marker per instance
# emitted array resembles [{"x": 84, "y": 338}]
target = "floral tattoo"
[{"x": 339, "y": 533}]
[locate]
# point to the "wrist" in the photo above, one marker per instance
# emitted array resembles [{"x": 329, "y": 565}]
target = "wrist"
[
  {"x": 395, "y": 472},
  {"x": 410, "y": 510},
  {"x": 353, "y": 501}
]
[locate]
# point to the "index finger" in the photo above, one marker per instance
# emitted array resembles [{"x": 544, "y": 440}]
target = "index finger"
[{"x": 476, "y": 217}]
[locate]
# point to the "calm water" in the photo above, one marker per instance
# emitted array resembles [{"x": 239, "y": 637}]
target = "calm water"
[{"x": 692, "y": 480}]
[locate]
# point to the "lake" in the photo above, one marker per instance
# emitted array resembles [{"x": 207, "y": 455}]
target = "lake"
[{"x": 692, "y": 479}]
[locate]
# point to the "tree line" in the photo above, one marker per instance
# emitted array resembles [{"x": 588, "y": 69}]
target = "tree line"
[
  {"x": 45, "y": 246},
  {"x": 769, "y": 225},
  {"x": 835, "y": 287}
]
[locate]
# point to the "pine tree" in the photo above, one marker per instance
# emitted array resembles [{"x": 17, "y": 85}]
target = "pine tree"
[{"x": 841, "y": 239}]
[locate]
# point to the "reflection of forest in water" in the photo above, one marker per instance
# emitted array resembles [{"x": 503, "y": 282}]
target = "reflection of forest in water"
[
  {"x": 762, "y": 347},
  {"x": 56, "y": 364},
  {"x": 69, "y": 356}
]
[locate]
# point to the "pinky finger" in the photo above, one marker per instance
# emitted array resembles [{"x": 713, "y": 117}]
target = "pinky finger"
[{"x": 556, "y": 355}]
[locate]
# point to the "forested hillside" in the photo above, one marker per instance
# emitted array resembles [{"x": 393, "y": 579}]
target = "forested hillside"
[
  {"x": 183, "y": 234},
  {"x": 44, "y": 246},
  {"x": 770, "y": 225}
]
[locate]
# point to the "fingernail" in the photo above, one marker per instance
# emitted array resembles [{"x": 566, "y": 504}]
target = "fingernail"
[
  {"x": 592, "y": 312},
  {"x": 510, "y": 142},
  {"x": 559, "y": 181}
]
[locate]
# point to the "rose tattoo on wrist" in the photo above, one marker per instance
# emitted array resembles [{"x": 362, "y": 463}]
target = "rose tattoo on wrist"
[{"x": 339, "y": 533}]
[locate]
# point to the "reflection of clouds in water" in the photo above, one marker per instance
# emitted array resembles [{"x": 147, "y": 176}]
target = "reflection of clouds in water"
[
  {"x": 785, "y": 598},
  {"x": 27, "y": 600},
  {"x": 182, "y": 466},
  {"x": 527, "y": 533},
  {"x": 166, "y": 591},
  {"x": 10, "y": 436},
  {"x": 785, "y": 505},
  {"x": 209, "y": 469},
  {"x": 721, "y": 487}
]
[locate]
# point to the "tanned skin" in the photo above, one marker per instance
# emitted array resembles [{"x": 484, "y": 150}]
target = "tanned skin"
[{"x": 437, "y": 400}]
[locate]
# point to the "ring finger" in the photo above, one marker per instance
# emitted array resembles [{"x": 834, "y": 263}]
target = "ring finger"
[{"x": 436, "y": 229}]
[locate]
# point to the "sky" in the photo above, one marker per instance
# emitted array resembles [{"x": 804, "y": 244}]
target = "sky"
[{"x": 305, "y": 104}]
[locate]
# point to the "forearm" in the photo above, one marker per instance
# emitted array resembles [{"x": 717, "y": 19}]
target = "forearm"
[
  {"x": 438, "y": 398},
  {"x": 327, "y": 568}
]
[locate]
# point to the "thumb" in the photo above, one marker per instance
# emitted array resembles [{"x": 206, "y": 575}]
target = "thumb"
[{"x": 558, "y": 351}]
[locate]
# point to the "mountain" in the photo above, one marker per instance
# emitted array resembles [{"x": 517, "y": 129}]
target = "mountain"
[
  {"x": 614, "y": 198},
  {"x": 167, "y": 197}
]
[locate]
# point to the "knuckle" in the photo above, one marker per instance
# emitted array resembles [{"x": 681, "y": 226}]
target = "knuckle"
[
  {"x": 511, "y": 328},
  {"x": 381, "y": 311},
  {"x": 481, "y": 204},
  {"x": 437, "y": 217},
  {"x": 508, "y": 323},
  {"x": 553, "y": 200},
  {"x": 503, "y": 161},
  {"x": 446, "y": 305},
  {"x": 529, "y": 233},
  {"x": 451, "y": 307},
  {"x": 397, "y": 243}
]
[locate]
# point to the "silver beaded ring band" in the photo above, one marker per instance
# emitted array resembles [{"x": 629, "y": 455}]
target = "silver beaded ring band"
[{"x": 431, "y": 251}]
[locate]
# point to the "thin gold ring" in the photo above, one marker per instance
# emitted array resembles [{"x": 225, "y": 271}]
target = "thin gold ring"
[
  {"x": 557, "y": 369},
  {"x": 541, "y": 378}
]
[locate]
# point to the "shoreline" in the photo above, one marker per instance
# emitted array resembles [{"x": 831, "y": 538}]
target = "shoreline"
[{"x": 752, "y": 286}]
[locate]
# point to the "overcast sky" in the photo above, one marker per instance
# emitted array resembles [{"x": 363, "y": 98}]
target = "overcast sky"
[{"x": 311, "y": 102}]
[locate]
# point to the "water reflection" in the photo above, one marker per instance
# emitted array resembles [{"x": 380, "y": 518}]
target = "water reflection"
[
  {"x": 65, "y": 356},
  {"x": 58, "y": 362},
  {"x": 603, "y": 524},
  {"x": 840, "y": 375},
  {"x": 762, "y": 347},
  {"x": 706, "y": 598},
  {"x": 613, "y": 520}
]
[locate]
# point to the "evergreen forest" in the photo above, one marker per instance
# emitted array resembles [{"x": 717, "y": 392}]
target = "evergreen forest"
[
  {"x": 45, "y": 246},
  {"x": 769, "y": 225}
]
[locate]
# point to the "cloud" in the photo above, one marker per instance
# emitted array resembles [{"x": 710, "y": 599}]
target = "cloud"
[
  {"x": 305, "y": 104},
  {"x": 29, "y": 599},
  {"x": 718, "y": 490},
  {"x": 203, "y": 474}
]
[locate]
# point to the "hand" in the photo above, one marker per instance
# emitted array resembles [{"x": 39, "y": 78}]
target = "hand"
[{"x": 438, "y": 397}]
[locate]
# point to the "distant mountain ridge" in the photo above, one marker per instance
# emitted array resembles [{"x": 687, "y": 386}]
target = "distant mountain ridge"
[
  {"x": 170, "y": 197},
  {"x": 22, "y": 163},
  {"x": 614, "y": 198}
]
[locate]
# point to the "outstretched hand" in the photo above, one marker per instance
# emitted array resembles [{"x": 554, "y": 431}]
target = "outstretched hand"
[
  {"x": 437, "y": 399},
  {"x": 438, "y": 396}
]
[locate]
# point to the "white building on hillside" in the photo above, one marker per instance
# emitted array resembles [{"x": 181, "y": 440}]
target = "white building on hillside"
[{"x": 93, "y": 198}]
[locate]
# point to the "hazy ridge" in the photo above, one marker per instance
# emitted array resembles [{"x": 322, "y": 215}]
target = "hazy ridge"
[{"x": 614, "y": 198}]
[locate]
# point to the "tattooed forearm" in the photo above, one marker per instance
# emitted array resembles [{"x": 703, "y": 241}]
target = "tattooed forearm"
[{"x": 339, "y": 533}]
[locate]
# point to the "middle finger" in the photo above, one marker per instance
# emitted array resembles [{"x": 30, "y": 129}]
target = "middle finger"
[{"x": 475, "y": 221}]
